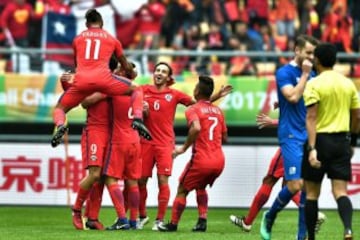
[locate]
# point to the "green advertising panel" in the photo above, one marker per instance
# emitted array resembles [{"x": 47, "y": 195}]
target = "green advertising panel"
[{"x": 31, "y": 98}]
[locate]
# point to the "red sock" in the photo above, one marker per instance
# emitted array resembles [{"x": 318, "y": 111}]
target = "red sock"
[
  {"x": 137, "y": 103},
  {"x": 258, "y": 202},
  {"x": 126, "y": 194},
  {"x": 163, "y": 200},
  {"x": 133, "y": 198},
  {"x": 80, "y": 198},
  {"x": 117, "y": 199},
  {"x": 94, "y": 200},
  {"x": 296, "y": 198},
  {"x": 202, "y": 203},
  {"x": 143, "y": 197},
  {"x": 177, "y": 209},
  {"x": 59, "y": 117}
]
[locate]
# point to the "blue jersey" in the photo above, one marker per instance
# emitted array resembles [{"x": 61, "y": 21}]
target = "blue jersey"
[{"x": 292, "y": 118}]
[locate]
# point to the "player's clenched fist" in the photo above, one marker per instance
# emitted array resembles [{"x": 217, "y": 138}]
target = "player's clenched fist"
[{"x": 307, "y": 66}]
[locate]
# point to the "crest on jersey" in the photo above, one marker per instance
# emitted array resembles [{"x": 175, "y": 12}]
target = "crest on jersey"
[{"x": 168, "y": 97}]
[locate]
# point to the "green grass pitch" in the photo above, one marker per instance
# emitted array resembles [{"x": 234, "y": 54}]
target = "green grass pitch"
[{"x": 51, "y": 223}]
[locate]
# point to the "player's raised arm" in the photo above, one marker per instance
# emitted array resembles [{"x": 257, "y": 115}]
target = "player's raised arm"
[{"x": 224, "y": 90}]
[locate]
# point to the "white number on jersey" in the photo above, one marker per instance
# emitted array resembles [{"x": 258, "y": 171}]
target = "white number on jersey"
[
  {"x": 93, "y": 148},
  {"x": 96, "y": 50},
  {"x": 157, "y": 105},
  {"x": 212, "y": 127}
]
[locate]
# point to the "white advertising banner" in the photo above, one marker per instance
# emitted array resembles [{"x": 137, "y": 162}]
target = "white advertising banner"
[{"x": 36, "y": 174}]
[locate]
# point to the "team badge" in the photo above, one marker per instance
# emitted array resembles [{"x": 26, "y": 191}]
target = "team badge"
[
  {"x": 93, "y": 158},
  {"x": 168, "y": 97}
]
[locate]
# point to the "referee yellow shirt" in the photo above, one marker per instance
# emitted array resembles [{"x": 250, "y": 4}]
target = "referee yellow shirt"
[{"x": 335, "y": 95}]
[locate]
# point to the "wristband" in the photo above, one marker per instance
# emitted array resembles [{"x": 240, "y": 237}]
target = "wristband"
[
  {"x": 353, "y": 139},
  {"x": 311, "y": 148}
]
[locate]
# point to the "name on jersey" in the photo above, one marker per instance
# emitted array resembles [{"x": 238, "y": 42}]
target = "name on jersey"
[
  {"x": 94, "y": 34},
  {"x": 208, "y": 110}
]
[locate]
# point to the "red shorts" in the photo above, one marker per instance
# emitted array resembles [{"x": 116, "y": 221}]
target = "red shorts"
[
  {"x": 198, "y": 177},
  {"x": 276, "y": 168},
  {"x": 159, "y": 155},
  {"x": 93, "y": 147},
  {"x": 123, "y": 161},
  {"x": 112, "y": 85}
]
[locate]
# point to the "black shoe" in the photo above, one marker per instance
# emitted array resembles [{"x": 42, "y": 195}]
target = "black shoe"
[
  {"x": 94, "y": 225},
  {"x": 138, "y": 125},
  {"x": 200, "y": 225},
  {"x": 59, "y": 132},
  {"x": 169, "y": 227},
  {"x": 120, "y": 224}
]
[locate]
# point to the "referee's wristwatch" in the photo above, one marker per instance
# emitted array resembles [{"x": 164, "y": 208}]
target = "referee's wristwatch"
[{"x": 311, "y": 148}]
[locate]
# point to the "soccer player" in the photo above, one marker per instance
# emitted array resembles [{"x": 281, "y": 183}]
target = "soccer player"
[
  {"x": 123, "y": 161},
  {"x": 330, "y": 146},
  {"x": 94, "y": 140},
  {"x": 162, "y": 101},
  {"x": 207, "y": 132},
  {"x": 93, "y": 49},
  {"x": 274, "y": 173},
  {"x": 290, "y": 81}
]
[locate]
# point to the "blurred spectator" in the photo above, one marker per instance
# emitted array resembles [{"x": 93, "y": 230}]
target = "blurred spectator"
[
  {"x": 286, "y": 15},
  {"x": 150, "y": 17},
  {"x": 239, "y": 65},
  {"x": 354, "y": 5},
  {"x": 203, "y": 12},
  {"x": 15, "y": 20},
  {"x": 309, "y": 19},
  {"x": 177, "y": 16},
  {"x": 338, "y": 29},
  {"x": 58, "y": 6},
  {"x": 258, "y": 12},
  {"x": 215, "y": 39},
  {"x": 241, "y": 32}
]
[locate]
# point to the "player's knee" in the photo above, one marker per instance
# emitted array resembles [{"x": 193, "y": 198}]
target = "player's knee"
[{"x": 269, "y": 180}]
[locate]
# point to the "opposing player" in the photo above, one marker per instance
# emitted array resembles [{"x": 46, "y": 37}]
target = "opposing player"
[
  {"x": 162, "y": 101},
  {"x": 274, "y": 173},
  {"x": 207, "y": 132},
  {"x": 93, "y": 49},
  {"x": 290, "y": 81}
]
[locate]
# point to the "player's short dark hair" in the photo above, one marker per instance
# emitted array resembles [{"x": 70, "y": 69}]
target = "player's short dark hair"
[
  {"x": 326, "y": 54},
  {"x": 93, "y": 16},
  {"x": 205, "y": 86},
  {"x": 302, "y": 39}
]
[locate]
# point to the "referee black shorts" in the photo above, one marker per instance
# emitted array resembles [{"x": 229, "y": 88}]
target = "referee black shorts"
[{"x": 334, "y": 153}]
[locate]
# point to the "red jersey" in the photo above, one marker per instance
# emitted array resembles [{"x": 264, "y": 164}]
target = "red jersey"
[
  {"x": 207, "y": 148},
  {"x": 122, "y": 117},
  {"x": 162, "y": 107},
  {"x": 98, "y": 116},
  {"x": 93, "y": 49},
  {"x": 16, "y": 18}
]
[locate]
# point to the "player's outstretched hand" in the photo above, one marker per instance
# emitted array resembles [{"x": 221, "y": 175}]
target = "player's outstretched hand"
[
  {"x": 139, "y": 125},
  {"x": 225, "y": 90},
  {"x": 263, "y": 120}
]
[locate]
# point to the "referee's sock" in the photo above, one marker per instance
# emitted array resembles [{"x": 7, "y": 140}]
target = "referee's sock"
[
  {"x": 345, "y": 210},
  {"x": 311, "y": 212}
]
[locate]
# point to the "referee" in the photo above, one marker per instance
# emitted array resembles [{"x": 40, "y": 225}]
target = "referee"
[{"x": 333, "y": 112}]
